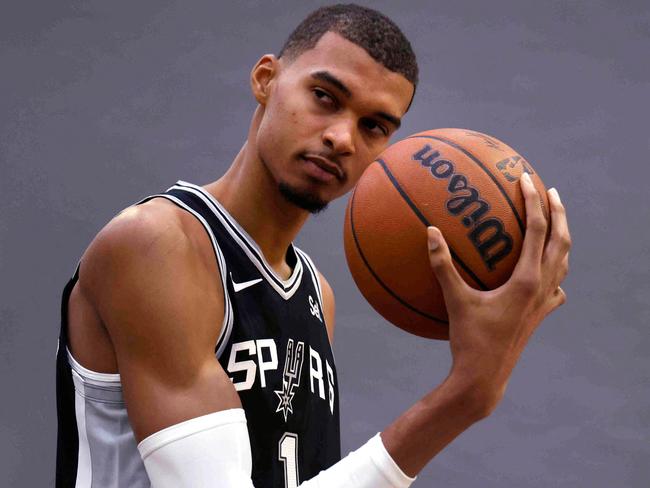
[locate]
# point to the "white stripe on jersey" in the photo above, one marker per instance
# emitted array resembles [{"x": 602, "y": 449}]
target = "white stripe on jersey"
[{"x": 84, "y": 466}]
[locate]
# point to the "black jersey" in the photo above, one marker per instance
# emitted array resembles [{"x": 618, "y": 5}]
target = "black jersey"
[{"x": 273, "y": 345}]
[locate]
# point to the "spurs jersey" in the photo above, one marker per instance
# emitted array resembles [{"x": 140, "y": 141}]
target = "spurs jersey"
[{"x": 273, "y": 346}]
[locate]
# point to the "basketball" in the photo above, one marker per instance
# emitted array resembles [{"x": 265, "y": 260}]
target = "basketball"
[{"x": 461, "y": 181}]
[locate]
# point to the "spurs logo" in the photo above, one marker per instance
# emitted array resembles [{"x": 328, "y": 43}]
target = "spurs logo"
[
  {"x": 291, "y": 377},
  {"x": 487, "y": 235},
  {"x": 313, "y": 308}
]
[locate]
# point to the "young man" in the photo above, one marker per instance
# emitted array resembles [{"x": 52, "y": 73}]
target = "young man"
[{"x": 195, "y": 338}]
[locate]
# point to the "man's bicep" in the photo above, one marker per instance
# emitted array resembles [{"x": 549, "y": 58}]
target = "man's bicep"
[{"x": 163, "y": 310}]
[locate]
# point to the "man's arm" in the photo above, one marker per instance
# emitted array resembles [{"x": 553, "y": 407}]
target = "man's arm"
[{"x": 162, "y": 303}]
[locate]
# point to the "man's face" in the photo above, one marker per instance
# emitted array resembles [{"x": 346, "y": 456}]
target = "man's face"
[{"x": 328, "y": 114}]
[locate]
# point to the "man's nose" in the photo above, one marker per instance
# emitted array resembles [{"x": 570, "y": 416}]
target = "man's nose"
[{"x": 339, "y": 137}]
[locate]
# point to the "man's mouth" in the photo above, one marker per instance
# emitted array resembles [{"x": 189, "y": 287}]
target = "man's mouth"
[{"x": 325, "y": 165}]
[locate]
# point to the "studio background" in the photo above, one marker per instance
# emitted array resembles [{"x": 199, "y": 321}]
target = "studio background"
[{"x": 103, "y": 103}]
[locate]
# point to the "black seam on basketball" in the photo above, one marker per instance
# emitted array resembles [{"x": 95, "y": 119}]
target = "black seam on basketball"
[
  {"x": 522, "y": 227},
  {"x": 424, "y": 220},
  {"x": 377, "y": 278}
]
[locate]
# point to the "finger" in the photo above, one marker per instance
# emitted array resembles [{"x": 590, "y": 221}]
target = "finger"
[
  {"x": 451, "y": 282},
  {"x": 560, "y": 240},
  {"x": 536, "y": 225}
]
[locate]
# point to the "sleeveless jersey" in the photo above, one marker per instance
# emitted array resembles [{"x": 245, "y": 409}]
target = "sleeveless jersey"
[{"x": 273, "y": 345}]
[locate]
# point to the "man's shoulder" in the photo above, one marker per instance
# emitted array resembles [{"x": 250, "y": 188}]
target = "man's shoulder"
[
  {"x": 147, "y": 229},
  {"x": 139, "y": 244},
  {"x": 146, "y": 259}
]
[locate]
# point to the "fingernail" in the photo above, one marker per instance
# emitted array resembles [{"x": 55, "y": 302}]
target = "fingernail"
[
  {"x": 526, "y": 178},
  {"x": 555, "y": 194},
  {"x": 432, "y": 242}
]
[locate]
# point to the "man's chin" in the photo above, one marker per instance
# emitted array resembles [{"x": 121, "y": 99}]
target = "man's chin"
[{"x": 302, "y": 199}]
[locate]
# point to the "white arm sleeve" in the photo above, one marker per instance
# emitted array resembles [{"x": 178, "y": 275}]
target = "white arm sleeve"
[
  {"x": 370, "y": 466},
  {"x": 213, "y": 451}
]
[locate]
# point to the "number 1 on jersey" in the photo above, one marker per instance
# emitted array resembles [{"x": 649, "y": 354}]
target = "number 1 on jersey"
[{"x": 288, "y": 454}]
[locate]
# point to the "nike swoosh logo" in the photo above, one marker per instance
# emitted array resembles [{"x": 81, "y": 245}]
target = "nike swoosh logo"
[{"x": 241, "y": 286}]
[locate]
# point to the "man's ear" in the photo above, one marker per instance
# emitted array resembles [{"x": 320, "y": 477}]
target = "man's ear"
[{"x": 262, "y": 76}]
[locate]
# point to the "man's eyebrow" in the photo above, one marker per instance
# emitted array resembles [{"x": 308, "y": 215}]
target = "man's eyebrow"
[{"x": 328, "y": 77}]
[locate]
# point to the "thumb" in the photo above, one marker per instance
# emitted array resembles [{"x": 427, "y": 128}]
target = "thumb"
[{"x": 442, "y": 265}]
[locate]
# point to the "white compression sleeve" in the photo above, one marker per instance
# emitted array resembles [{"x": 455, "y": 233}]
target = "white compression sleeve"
[
  {"x": 370, "y": 466},
  {"x": 213, "y": 451}
]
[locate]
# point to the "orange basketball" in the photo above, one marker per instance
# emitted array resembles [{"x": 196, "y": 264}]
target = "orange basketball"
[{"x": 461, "y": 181}]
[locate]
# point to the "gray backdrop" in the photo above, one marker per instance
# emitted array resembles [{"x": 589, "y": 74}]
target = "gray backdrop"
[{"x": 102, "y": 103}]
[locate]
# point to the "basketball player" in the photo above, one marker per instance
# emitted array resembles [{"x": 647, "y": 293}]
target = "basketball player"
[{"x": 195, "y": 340}]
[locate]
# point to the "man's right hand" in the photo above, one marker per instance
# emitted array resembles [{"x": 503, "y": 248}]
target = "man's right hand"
[{"x": 488, "y": 330}]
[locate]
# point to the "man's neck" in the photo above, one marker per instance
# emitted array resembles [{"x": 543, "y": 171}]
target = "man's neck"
[{"x": 250, "y": 194}]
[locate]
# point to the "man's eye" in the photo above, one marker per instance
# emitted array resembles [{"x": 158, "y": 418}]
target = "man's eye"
[
  {"x": 324, "y": 97},
  {"x": 372, "y": 126}
]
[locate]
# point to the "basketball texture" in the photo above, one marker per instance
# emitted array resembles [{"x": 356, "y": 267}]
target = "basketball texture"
[{"x": 461, "y": 181}]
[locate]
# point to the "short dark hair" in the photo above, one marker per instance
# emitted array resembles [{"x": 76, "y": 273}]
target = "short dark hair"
[{"x": 367, "y": 28}]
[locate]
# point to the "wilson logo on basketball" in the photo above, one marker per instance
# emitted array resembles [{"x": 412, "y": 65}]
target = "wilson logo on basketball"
[{"x": 487, "y": 234}]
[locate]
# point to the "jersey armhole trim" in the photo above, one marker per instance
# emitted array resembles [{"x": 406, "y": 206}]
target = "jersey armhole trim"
[
  {"x": 93, "y": 377},
  {"x": 314, "y": 273},
  {"x": 315, "y": 277}
]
